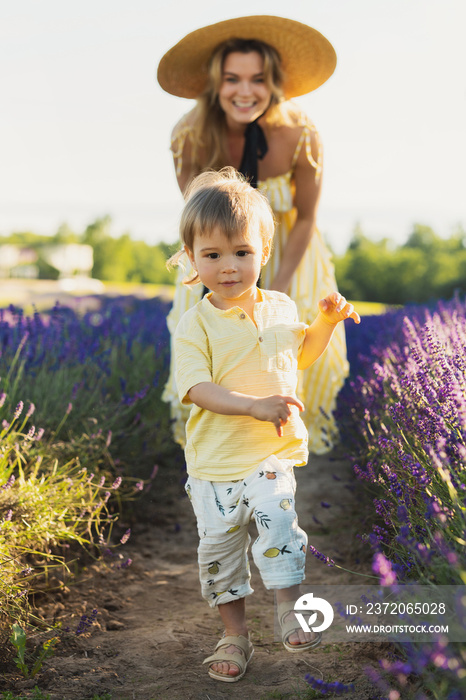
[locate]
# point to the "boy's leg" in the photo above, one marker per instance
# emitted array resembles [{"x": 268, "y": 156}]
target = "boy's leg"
[
  {"x": 280, "y": 548},
  {"x": 299, "y": 636},
  {"x": 233, "y": 616},
  {"x": 223, "y": 566}
]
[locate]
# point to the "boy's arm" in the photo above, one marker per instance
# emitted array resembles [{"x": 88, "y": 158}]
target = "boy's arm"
[
  {"x": 333, "y": 309},
  {"x": 217, "y": 399}
]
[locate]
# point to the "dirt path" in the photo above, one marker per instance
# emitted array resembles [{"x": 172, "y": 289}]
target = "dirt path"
[{"x": 153, "y": 629}]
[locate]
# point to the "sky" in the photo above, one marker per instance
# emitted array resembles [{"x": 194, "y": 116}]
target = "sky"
[{"x": 85, "y": 128}]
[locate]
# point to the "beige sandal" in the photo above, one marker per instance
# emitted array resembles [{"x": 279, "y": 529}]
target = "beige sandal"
[
  {"x": 241, "y": 659},
  {"x": 290, "y": 626}
]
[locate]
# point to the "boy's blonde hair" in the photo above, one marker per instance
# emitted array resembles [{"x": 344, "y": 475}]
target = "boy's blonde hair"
[{"x": 222, "y": 199}]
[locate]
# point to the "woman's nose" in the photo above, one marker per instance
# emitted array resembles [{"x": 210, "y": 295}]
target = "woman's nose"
[{"x": 244, "y": 87}]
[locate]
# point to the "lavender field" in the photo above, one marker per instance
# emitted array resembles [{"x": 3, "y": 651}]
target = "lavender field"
[
  {"x": 83, "y": 432},
  {"x": 403, "y": 422}
]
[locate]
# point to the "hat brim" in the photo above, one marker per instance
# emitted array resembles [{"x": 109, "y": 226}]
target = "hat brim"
[{"x": 308, "y": 58}]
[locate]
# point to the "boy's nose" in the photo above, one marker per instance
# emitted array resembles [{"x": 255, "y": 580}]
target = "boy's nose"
[{"x": 229, "y": 265}]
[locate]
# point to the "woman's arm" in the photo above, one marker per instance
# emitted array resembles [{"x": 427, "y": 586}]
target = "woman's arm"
[
  {"x": 182, "y": 150},
  {"x": 217, "y": 399},
  {"x": 308, "y": 188},
  {"x": 182, "y": 161}
]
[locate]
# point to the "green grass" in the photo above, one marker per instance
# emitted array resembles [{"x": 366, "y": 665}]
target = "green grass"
[
  {"x": 371, "y": 308},
  {"x": 47, "y": 506},
  {"x": 36, "y": 695}
]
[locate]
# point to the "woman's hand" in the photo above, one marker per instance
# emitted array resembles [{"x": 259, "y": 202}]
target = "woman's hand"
[
  {"x": 334, "y": 308},
  {"x": 275, "y": 409}
]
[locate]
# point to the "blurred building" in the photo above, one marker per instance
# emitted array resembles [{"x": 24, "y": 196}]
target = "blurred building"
[
  {"x": 70, "y": 259},
  {"x": 18, "y": 262}
]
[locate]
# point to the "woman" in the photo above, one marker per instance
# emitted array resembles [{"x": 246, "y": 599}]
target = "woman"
[{"x": 243, "y": 73}]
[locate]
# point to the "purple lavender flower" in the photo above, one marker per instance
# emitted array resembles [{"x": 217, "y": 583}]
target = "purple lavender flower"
[
  {"x": 8, "y": 484},
  {"x": 126, "y": 536},
  {"x": 117, "y": 483},
  {"x": 383, "y": 568},
  {"x": 321, "y": 556},
  {"x": 334, "y": 687}
]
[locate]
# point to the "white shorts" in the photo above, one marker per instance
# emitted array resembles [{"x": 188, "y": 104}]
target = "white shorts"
[{"x": 224, "y": 510}]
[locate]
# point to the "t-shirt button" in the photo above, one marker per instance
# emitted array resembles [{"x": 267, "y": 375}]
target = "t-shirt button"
[
  {"x": 260, "y": 339},
  {"x": 242, "y": 315}
]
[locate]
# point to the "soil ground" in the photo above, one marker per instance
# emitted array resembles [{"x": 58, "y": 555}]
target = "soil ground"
[{"x": 153, "y": 630}]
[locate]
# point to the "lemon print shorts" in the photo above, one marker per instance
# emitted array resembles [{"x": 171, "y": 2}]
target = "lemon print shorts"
[{"x": 224, "y": 511}]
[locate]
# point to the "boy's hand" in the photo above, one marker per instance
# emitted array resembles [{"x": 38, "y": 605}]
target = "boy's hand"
[
  {"x": 275, "y": 409},
  {"x": 335, "y": 308}
]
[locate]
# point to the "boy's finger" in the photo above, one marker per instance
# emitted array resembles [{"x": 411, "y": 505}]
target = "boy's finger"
[
  {"x": 352, "y": 313},
  {"x": 341, "y": 304},
  {"x": 295, "y": 402}
]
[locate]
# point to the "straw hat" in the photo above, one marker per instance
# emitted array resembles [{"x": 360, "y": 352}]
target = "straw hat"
[{"x": 308, "y": 58}]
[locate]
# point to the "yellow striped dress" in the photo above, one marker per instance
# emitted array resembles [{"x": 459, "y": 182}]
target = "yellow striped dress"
[{"x": 314, "y": 279}]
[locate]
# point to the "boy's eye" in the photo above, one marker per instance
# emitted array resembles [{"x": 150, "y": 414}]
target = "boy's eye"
[
  {"x": 212, "y": 256},
  {"x": 242, "y": 253}
]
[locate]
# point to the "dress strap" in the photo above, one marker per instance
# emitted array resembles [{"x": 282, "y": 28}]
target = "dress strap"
[{"x": 305, "y": 138}]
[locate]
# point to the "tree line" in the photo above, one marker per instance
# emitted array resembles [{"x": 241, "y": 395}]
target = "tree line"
[
  {"x": 423, "y": 268},
  {"x": 116, "y": 259}
]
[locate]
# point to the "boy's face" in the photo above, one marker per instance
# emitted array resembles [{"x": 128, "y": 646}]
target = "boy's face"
[{"x": 229, "y": 268}]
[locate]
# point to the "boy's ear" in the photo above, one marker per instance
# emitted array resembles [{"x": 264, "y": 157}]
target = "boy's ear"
[
  {"x": 190, "y": 255},
  {"x": 266, "y": 248}
]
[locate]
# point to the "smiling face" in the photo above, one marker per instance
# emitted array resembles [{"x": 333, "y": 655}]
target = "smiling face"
[
  {"x": 243, "y": 94},
  {"x": 229, "y": 267}
]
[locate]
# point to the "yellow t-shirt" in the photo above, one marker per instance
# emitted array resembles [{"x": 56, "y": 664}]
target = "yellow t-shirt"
[{"x": 226, "y": 348}]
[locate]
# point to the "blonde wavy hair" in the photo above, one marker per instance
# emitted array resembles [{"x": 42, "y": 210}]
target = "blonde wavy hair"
[{"x": 224, "y": 200}]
